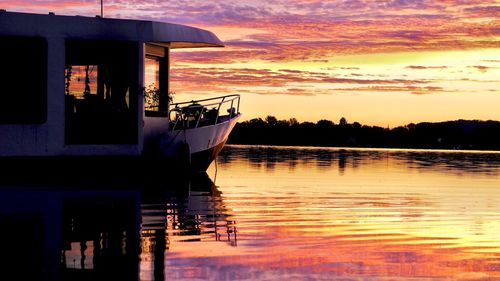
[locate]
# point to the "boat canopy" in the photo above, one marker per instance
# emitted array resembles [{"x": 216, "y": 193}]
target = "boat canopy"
[{"x": 79, "y": 27}]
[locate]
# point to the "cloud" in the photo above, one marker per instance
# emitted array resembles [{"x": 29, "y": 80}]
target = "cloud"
[
  {"x": 283, "y": 81},
  {"x": 299, "y": 92},
  {"x": 417, "y": 90},
  {"x": 425, "y": 67},
  {"x": 483, "y": 11},
  {"x": 312, "y": 30},
  {"x": 481, "y": 68},
  {"x": 318, "y": 40},
  {"x": 426, "y": 90}
]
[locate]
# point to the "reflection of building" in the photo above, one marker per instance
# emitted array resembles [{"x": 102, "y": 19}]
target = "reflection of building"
[{"x": 69, "y": 235}]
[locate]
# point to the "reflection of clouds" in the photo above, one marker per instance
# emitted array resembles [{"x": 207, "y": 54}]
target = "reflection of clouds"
[
  {"x": 330, "y": 246},
  {"x": 397, "y": 214}
]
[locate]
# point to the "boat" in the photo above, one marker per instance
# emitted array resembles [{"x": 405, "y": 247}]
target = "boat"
[
  {"x": 198, "y": 130},
  {"x": 92, "y": 90}
]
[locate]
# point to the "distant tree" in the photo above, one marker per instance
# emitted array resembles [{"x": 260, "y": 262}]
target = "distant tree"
[
  {"x": 283, "y": 123},
  {"x": 324, "y": 123},
  {"x": 307, "y": 124},
  {"x": 343, "y": 122},
  {"x": 256, "y": 121},
  {"x": 271, "y": 120},
  {"x": 411, "y": 126},
  {"x": 460, "y": 134}
]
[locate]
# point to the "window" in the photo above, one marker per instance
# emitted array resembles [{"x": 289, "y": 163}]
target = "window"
[
  {"x": 152, "y": 84},
  {"x": 101, "y": 92},
  {"x": 23, "y": 80},
  {"x": 156, "y": 81}
]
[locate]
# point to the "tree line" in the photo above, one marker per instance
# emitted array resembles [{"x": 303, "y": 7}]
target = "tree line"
[{"x": 458, "y": 134}]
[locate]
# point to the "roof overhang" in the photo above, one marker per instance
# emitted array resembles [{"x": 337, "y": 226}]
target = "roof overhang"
[
  {"x": 97, "y": 28},
  {"x": 182, "y": 36}
]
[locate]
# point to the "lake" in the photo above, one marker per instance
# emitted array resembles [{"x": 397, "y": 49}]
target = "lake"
[
  {"x": 270, "y": 213},
  {"x": 344, "y": 214}
]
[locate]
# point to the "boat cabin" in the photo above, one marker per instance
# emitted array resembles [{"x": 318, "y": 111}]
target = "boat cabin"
[{"x": 74, "y": 85}]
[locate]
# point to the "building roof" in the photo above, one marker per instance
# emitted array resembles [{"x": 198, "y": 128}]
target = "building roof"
[{"x": 97, "y": 28}]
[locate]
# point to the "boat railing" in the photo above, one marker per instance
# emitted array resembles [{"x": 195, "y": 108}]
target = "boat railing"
[{"x": 204, "y": 112}]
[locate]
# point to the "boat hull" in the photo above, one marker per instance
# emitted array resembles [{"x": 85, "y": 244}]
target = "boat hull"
[
  {"x": 200, "y": 161},
  {"x": 197, "y": 147},
  {"x": 175, "y": 159}
]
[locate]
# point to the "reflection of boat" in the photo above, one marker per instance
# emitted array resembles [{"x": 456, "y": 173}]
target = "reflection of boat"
[
  {"x": 192, "y": 208},
  {"x": 79, "y": 86},
  {"x": 75, "y": 232},
  {"x": 189, "y": 210},
  {"x": 51, "y": 234}
]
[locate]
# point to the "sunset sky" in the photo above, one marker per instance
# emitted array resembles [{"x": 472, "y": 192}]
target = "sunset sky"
[{"x": 383, "y": 63}]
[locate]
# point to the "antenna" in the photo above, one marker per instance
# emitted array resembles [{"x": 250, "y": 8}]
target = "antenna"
[{"x": 101, "y": 9}]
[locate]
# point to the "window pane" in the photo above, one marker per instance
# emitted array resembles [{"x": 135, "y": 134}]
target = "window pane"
[
  {"x": 23, "y": 76},
  {"x": 101, "y": 92},
  {"x": 152, "y": 70},
  {"x": 81, "y": 79},
  {"x": 151, "y": 84}
]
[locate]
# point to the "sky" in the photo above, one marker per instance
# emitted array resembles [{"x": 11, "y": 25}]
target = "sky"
[{"x": 385, "y": 63}]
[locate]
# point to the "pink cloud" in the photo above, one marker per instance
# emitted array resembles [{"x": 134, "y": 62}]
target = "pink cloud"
[{"x": 284, "y": 81}]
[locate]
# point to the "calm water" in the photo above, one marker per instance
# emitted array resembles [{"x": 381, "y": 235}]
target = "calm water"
[
  {"x": 268, "y": 213},
  {"x": 341, "y": 214}
]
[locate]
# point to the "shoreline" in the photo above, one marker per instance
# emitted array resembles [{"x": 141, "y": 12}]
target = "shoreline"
[{"x": 390, "y": 149}]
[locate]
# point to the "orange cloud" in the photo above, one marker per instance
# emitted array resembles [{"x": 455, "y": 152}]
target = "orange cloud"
[
  {"x": 316, "y": 35},
  {"x": 481, "y": 68},
  {"x": 288, "y": 81},
  {"x": 425, "y": 67}
]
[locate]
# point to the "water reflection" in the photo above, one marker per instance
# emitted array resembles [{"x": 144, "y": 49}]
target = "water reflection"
[
  {"x": 99, "y": 237},
  {"x": 360, "y": 214},
  {"x": 275, "y": 214},
  {"x": 94, "y": 232},
  {"x": 324, "y": 158},
  {"x": 54, "y": 234},
  {"x": 189, "y": 211}
]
